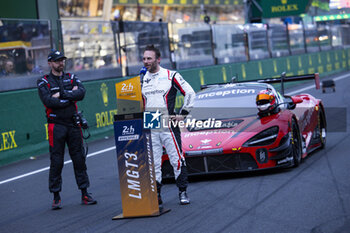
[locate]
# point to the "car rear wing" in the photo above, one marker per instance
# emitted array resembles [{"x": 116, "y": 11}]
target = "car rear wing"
[
  {"x": 281, "y": 80},
  {"x": 285, "y": 78}
]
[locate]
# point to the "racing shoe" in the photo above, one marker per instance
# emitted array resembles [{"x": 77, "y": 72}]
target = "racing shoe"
[
  {"x": 184, "y": 200},
  {"x": 56, "y": 204},
  {"x": 87, "y": 199}
]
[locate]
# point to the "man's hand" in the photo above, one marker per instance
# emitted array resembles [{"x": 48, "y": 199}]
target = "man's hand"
[
  {"x": 176, "y": 118},
  {"x": 56, "y": 95},
  {"x": 75, "y": 88},
  {"x": 184, "y": 112}
]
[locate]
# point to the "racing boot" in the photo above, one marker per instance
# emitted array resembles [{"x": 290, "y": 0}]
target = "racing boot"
[
  {"x": 56, "y": 204},
  {"x": 160, "y": 201},
  {"x": 184, "y": 200},
  {"x": 86, "y": 198},
  {"x": 182, "y": 183}
]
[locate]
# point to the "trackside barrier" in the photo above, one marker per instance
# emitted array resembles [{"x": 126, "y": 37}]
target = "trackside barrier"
[{"x": 23, "y": 129}]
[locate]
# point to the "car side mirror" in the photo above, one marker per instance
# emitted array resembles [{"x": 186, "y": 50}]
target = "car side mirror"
[
  {"x": 297, "y": 100},
  {"x": 293, "y": 101}
]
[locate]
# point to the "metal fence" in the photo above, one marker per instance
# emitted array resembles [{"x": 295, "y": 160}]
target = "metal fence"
[
  {"x": 90, "y": 48},
  {"x": 197, "y": 45},
  {"x": 106, "y": 49},
  {"x": 192, "y": 45},
  {"x": 133, "y": 37}
]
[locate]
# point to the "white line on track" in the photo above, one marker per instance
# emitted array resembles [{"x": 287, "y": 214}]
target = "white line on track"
[
  {"x": 113, "y": 147},
  {"x": 47, "y": 168},
  {"x": 313, "y": 86}
]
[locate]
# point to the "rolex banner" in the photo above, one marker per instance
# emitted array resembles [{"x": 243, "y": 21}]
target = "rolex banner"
[
  {"x": 136, "y": 171},
  {"x": 129, "y": 99}
]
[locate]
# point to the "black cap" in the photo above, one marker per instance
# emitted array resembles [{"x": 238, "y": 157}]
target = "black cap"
[{"x": 55, "y": 55}]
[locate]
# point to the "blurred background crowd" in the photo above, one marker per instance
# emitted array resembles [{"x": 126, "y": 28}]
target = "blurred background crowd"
[{"x": 107, "y": 37}]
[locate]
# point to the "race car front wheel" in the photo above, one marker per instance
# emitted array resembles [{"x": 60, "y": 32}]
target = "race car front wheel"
[
  {"x": 322, "y": 127},
  {"x": 296, "y": 143}
]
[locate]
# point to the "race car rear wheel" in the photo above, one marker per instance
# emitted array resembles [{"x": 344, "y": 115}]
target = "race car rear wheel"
[{"x": 296, "y": 143}]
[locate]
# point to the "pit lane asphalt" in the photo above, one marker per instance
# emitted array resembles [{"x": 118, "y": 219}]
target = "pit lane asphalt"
[{"x": 315, "y": 197}]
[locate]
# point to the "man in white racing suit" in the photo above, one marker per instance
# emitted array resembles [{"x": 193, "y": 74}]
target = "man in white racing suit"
[{"x": 159, "y": 89}]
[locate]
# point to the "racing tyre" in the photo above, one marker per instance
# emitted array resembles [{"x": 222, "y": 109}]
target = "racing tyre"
[
  {"x": 322, "y": 126},
  {"x": 296, "y": 143}
]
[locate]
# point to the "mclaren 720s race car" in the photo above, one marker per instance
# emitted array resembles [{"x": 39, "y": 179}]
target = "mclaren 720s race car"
[{"x": 250, "y": 126}]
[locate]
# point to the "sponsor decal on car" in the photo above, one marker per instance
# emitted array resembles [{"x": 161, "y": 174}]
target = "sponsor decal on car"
[
  {"x": 224, "y": 93},
  {"x": 284, "y": 160}
]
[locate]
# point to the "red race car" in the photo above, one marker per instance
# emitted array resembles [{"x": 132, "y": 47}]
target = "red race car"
[{"x": 249, "y": 126}]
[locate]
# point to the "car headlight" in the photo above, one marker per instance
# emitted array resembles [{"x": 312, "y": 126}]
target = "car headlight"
[{"x": 263, "y": 138}]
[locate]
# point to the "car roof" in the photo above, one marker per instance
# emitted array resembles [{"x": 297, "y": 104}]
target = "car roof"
[
  {"x": 235, "y": 90},
  {"x": 237, "y": 85},
  {"x": 231, "y": 86}
]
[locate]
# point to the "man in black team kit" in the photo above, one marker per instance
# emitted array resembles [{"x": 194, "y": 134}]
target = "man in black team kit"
[
  {"x": 159, "y": 88},
  {"x": 59, "y": 92}
]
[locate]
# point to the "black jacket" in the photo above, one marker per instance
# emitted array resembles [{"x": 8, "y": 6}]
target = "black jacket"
[{"x": 60, "y": 110}]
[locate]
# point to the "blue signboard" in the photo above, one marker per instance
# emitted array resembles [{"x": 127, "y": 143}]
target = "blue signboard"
[{"x": 135, "y": 166}]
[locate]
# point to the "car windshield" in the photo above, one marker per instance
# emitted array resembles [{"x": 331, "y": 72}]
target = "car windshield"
[{"x": 227, "y": 102}]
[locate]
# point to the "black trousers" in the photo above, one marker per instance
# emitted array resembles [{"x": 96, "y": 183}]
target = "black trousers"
[{"x": 59, "y": 135}]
